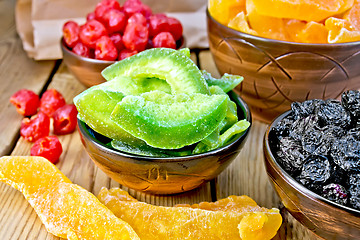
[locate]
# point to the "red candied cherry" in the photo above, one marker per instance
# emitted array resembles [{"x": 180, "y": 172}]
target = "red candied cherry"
[
  {"x": 26, "y": 102},
  {"x": 136, "y": 37},
  {"x": 176, "y": 28},
  {"x": 136, "y": 6},
  {"x": 90, "y": 16},
  {"x": 65, "y": 119},
  {"x": 114, "y": 20},
  {"x": 81, "y": 50},
  {"x": 71, "y": 33},
  {"x": 158, "y": 23},
  {"x": 164, "y": 39},
  {"x": 91, "y": 31},
  {"x": 103, "y": 6},
  {"x": 117, "y": 40},
  {"x": 137, "y": 18},
  {"x": 105, "y": 49},
  {"x": 50, "y": 101},
  {"x": 35, "y": 127},
  {"x": 48, "y": 147},
  {"x": 125, "y": 53}
]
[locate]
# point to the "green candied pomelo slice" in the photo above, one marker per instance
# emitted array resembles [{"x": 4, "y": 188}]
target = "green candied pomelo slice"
[
  {"x": 238, "y": 128},
  {"x": 227, "y": 82},
  {"x": 137, "y": 86},
  {"x": 94, "y": 107},
  {"x": 170, "y": 121},
  {"x": 177, "y": 69},
  {"x": 143, "y": 149}
]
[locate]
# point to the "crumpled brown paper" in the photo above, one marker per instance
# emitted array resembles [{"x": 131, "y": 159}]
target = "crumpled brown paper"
[{"x": 39, "y": 22}]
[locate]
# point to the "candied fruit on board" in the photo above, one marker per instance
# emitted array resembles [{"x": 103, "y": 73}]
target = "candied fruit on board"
[
  {"x": 67, "y": 210},
  {"x": 232, "y": 218}
]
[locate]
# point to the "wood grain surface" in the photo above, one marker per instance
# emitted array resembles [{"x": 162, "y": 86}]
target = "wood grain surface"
[{"x": 246, "y": 175}]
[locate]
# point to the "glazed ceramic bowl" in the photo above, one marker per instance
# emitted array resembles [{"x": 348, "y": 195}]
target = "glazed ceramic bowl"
[
  {"x": 277, "y": 73},
  {"x": 162, "y": 175},
  {"x": 325, "y": 218},
  {"x": 88, "y": 70}
]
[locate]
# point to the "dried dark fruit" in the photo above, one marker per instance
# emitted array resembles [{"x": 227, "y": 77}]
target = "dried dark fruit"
[
  {"x": 346, "y": 153},
  {"x": 304, "y": 109},
  {"x": 311, "y": 140},
  {"x": 354, "y": 190},
  {"x": 315, "y": 170},
  {"x": 351, "y": 102},
  {"x": 301, "y": 125},
  {"x": 332, "y": 112},
  {"x": 282, "y": 128},
  {"x": 291, "y": 154},
  {"x": 336, "y": 193}
]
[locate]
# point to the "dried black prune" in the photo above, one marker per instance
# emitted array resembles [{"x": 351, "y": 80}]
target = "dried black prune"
[
  {"x": 315, "y": 171},
  {"x": 354, "y": 190},
  {"x": 346, "y": 153},
  {"x": 311, "y": 140},
  {"x": 291, "y": 154},
  {"x": 301, "y": 125},
  {"x": 336, "y": 193},
  {"x": 282, "y": 128},
  {"x": 331, "y": 112},
  {"x": 351, "y": 102},
  {"x": 304, "y": 109}
]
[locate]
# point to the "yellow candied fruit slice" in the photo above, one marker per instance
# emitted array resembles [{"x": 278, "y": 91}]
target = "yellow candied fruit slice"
[
  {"x": 224, "y": 10},
  {"x": 340, "y": 30},
  {"x": 308, "y": 10},
  {"x": 353, "y": 16},
  {"x": 66, "y": 209},
  {"x": 265, "y": 26},
  {"x": 293, "y": 27},
  {"x": 29, "y": 174},
  {"x": 313, "y": 32},
  {"x": 240, "y": 23},
  {"x": 224, "y": 219}
]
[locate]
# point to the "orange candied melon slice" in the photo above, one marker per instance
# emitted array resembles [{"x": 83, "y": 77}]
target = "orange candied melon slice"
[
  {"x": 67, "y": 210},
  {"x": 353, "y": 16},
  {"x": 313, "y": 32},
  {"x": 340, "y": 30},
  {"x": 230, "y": 218},
  {"x": 224, "y": 10},
  {"x": 240, "y": 23},
  {"x": 293, "y": 27},
  {"x": 265, "y": 26},
  {"x": 308, "y": 10}
]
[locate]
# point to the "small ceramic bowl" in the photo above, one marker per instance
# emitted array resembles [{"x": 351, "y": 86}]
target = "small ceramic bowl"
[
  {"x": 325, "y": 218},
  {"x": 277, "y": 73},
  {"x": 162, "y": 175},
  {"x": 88, "y": 70}
]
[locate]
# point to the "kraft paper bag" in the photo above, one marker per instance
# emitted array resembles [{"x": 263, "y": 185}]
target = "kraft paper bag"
[{"x": 39, "y": 22}]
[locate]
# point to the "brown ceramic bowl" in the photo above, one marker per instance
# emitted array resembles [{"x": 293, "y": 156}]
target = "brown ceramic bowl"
[
  {"x": 88, "y": 70},
  {"x": 277, "y": 73},
  {"x": 162, "y": 175},
  {"x": 325, "y": 218}
]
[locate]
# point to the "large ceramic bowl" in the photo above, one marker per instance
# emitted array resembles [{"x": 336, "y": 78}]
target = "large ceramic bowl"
[
  {"x": 88, "y": 70},
  {"x": 325, "y": 218},
  {"x": 277, "y": 73},
  {"x": 163, "y": 175}
]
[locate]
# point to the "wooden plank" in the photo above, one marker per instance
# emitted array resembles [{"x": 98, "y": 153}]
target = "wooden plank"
[
  {"x": 19, "y": 221},
  {"x": 17, "y": 71},
  {"x": 246, "y": 175}
]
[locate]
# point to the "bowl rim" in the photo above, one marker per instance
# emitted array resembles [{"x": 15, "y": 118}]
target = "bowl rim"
[
  {"x": 275, "y": 41},
  {"x": 242, "y": 106},
  {"x": 290, "y": 180}
]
